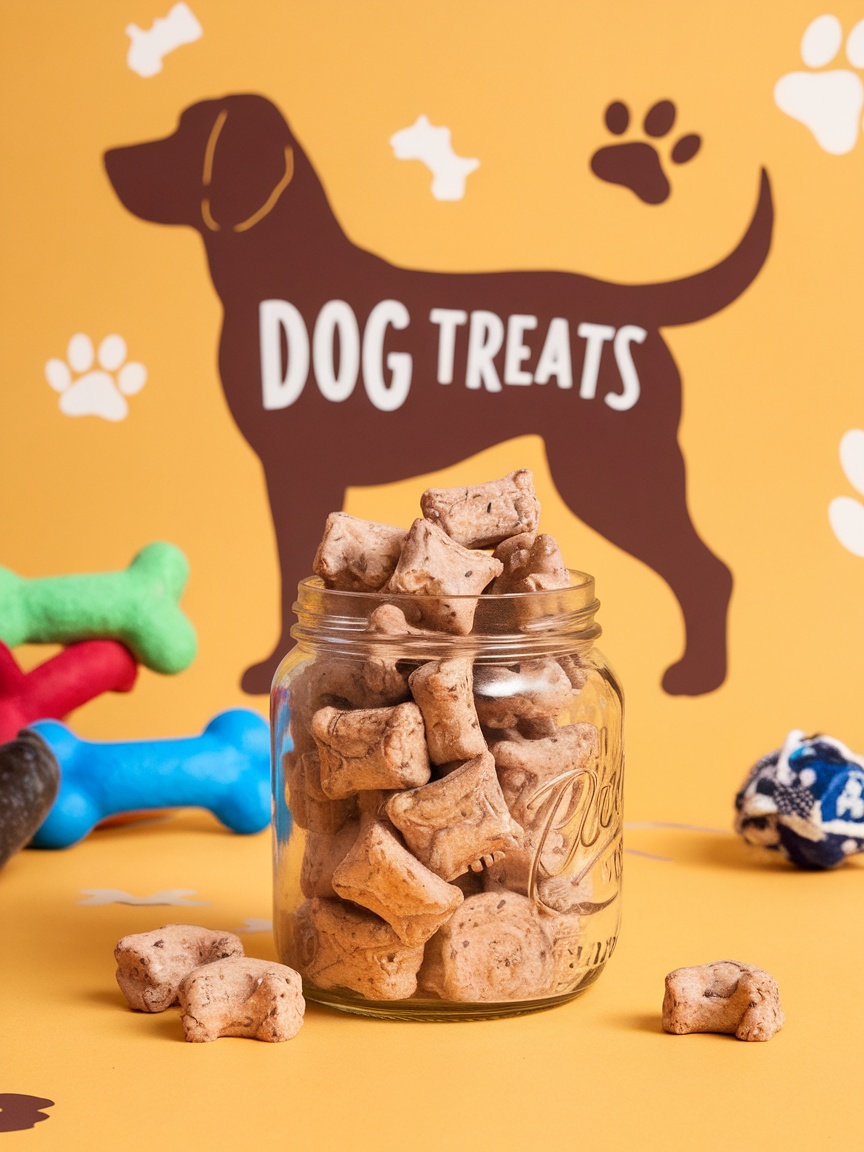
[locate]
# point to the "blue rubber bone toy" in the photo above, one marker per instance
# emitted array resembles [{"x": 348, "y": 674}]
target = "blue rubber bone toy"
[
  {"x": 806, "y": 801},
  {"x": 225, "y": 770}
]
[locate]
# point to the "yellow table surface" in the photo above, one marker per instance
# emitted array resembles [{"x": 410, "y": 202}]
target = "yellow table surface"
[{"x": 598, "y": 1072}]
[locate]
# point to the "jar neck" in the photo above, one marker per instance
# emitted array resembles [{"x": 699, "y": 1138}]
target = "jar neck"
[{"x": 516, "y": 624}]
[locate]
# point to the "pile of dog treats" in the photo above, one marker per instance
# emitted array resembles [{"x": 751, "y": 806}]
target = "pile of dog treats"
[
  {"x": 431, "y": 866},
  {"x": 220, "y": 990}
]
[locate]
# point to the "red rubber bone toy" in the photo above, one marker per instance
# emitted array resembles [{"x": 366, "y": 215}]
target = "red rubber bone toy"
[{"x": 58, "y": 686}]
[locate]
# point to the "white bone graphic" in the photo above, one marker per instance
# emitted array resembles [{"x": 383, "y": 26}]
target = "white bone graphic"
[
  {"x": 149, "y": 46},
  {"x": 431, "y": 144},
  {"x": 176, "y": 896},
  {"x": 254, "y": 924}
]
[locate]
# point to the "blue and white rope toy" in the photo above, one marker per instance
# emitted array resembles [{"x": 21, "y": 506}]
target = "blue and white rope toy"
[{"x": 806, "y": 801}]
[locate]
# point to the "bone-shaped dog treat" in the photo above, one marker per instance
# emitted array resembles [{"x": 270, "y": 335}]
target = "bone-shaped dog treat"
[
  {"x": 323, "y": 852},
  {"x": 226, "y": 770},
  {"x": 433, "y": 567},
  {"x": 541, "y": 852},
  {"x": 373, "y": 805},
  {"x": 341, "y": 946},
  {"x": 61, "y": 684},
  {"x": 494, "y": 948},
  {"x": 330, "y": 681},
  {"x": 575, "y": 670},
  {"x": 443, "y": 690},
  {"x": 725, "y": 996},
  {"x": 380, "y": 874},
  {"x": 241, "y": 996},
  {"x": 138, "y": 606},
  {"x": 531, "y": 564},
  {"x": 506, "y": 696},
  {"x": 390, "y": 620},
  {"x": 386, "y": 671},
  {"x": 452, "y": 823},
  {"x": 29, "y": 779},
  {"x": 483, "y": 515},
  {"x": 370, "y": 748},
  {"x": 532, "y": 772},
  {"x": 357, "y": 555},
  {"x": 567, "y": 895},
  {"x": 152, "y": 965},
  {"x": 311, "y": 808},
  {"x": 539, "y": 779}
]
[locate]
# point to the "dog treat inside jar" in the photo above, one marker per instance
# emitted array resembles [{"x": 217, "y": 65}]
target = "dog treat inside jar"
[{"x": 447, "y": 767}]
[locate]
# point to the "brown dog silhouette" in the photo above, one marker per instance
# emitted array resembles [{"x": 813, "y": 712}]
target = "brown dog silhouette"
[{"x": 342, "y": 368}]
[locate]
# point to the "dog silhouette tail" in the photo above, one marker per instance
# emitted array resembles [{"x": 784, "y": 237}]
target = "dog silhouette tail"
[{"x": 705, "y": 293}]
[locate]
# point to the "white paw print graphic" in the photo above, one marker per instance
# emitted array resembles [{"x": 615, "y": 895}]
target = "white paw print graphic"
[
  {"x": 102, "y": 379},
  {"x": 828, "y": 102},
  {"x": 845, "y": 512}
]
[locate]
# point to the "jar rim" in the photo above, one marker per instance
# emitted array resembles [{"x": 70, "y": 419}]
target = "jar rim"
[
  {"x": 541, "y": 621},
  {"x": 579, "y": 582}
]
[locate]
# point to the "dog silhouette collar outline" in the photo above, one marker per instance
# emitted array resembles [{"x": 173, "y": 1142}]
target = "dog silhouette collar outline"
[{"x": 207, "y": 175}]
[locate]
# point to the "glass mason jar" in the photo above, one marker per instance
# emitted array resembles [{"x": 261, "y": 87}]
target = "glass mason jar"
[{"x": 447, "y": 807}]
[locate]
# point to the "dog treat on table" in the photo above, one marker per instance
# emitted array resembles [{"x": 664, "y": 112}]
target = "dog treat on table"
[
  {"x": 343, "y": 946},
  {"x": 483, "y": 515},
  {"x": 433, "y": 565},
  {"x": 370, "y": 748},
  {"x": 725, "y": 996},
  {"x": 380, "y": 874},
  {"x": 241, "y": 996},
  {"x": 506, "y": 696},
  {"x": 357, "y": 555},
  {"x": 451, "y": 824},
  {"x": 151, "y": 965},
  {"x": 443, "y": 690},
  {"x": 495, "y": 947}
]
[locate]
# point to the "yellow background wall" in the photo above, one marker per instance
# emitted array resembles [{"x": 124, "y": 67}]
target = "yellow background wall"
[{"x": 770, "y": 384}]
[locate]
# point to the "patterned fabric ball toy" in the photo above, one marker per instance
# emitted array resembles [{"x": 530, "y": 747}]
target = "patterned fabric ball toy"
[{"x": 806, "y": 801}]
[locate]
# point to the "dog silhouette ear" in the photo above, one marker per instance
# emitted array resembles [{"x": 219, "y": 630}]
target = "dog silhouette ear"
[{"x": 247, "y": 164}]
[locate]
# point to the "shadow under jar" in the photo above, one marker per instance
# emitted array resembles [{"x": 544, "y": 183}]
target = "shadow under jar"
[{"x": 447, "y": 776}]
